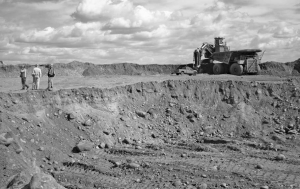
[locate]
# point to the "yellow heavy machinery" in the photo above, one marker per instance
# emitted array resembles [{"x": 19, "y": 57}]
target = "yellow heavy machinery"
[{"x": 219, "y": 59}]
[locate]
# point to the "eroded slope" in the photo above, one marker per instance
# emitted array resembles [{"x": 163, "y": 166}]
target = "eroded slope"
[{"x": 173, "y": 134}]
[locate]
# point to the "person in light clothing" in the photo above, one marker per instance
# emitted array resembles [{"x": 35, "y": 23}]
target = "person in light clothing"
[{"x": 36, "y": 76}]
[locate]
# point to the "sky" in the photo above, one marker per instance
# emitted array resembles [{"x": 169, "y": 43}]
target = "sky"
[{"x": 144, "y": 31}]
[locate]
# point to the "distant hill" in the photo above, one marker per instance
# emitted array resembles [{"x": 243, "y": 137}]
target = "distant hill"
[{"x": 76, "y": 68}]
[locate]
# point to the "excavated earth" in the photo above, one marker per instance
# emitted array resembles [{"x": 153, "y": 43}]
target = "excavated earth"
[{"x": 169, "y": 134}]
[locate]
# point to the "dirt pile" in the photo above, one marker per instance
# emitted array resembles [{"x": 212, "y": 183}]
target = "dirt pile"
[
  {"x": 281, "y": 69},
  {"x": 174, "y": 134},
  {"x": 76, "y": 68}
]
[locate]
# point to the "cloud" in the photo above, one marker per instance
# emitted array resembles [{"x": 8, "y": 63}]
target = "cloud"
[
  {"x": 297, "y": 9},
  {"x": 161, "y": 32},
  {"x": 30, "y": 1},
  {"x": 137, "y": 28},
  {"x": 77, "y": 35},
  {"x": 6, "y": 45},
  {"x": 238, "y": 3},
  {"x": 284, "y": 31},
  {"x": 91, "y": 10},
  {"x": 278, "y": 30},
  {"x": 218, "y": 6},
  {"x": 141, "y": 31},
  {"x": 120, "y": 13},
  {"x": 8, "y": 27},
  {"x": 272, "y": 45}
]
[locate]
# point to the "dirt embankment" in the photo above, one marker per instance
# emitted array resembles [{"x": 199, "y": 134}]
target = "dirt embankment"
[
  {"x": 281, "y": 69},
  {"x": 89, "y": 69},
  {"x": 95, "y": 138}
]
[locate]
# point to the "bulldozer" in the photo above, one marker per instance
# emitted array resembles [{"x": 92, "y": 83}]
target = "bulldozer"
[{"x": 219, "y": 59}]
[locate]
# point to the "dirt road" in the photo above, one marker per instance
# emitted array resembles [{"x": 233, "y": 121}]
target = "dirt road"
[{"x": 110, "y": 81}]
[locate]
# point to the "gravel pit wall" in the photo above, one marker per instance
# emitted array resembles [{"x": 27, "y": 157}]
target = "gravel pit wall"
[{"x": 49, "y": 126}]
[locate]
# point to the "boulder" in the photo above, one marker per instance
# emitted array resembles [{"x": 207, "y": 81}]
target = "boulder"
[
  {"x": 109, "y": 145},
  {"x": 39, "y": 180},
  {"x": 133, "y": 165},
  {"x": 127, "y": 141},
  {"x": 88, "y": 123},
  {"x": 264, "y": 187},
  {"x": 35, "y": 181},
  {"x": 45, "y": 181},
  {"x": 102, "y": 145},
  {"x": 71, "y": 116},
  {"x": 202, "y": 186},
  {"x": 6, "y": 138},
  {"x": 84, "y": 145},
  {"x": 280, "y": 157},
  {"x": 141, "y": 113}
]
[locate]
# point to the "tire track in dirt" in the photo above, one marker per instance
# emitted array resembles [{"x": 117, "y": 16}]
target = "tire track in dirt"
[
  {"x": 87, "y": 176},
  {"x": 282, "y": 173}
]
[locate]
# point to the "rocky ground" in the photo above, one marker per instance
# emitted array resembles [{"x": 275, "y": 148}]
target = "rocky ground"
[{"x": 190, "y": 132}]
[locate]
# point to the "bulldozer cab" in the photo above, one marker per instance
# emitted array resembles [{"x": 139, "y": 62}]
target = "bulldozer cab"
[{"x": 220, "y": 46}]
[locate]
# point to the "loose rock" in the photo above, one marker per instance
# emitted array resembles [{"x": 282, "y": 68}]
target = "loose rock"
[
  {"x": 102, "y": 145},
  {"x": 224, "y": 185},
  {"x": 133, "y": 165},
  {"x": 6, "y": 138},
  {"x": 202, "y": 186},
  {"x": 71, "y": 116},
  {"x": 88, "y": 122},
  {"x": 280, "y": 157},
  {"x": 141, "y": 113},
  {"x": 84, "y": 145},
  {"x": 127, "y": 141},
  {"x": 264, "y": 187}
]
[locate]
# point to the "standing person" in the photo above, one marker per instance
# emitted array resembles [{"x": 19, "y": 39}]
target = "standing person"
[
  {"x": 36, "y": 76},
  {"x": 196, "y": 57},
  {"x": 51, "y": 74},
  {"x": 23, "y": 78}
]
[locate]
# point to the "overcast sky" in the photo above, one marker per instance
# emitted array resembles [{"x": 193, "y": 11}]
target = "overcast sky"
[{"x": 143, "y": 31}]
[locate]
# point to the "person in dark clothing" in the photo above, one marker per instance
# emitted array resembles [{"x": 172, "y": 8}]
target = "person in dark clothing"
[
  {"x": 23, "y": 78},
  {"x": 51, "y": 74}
]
